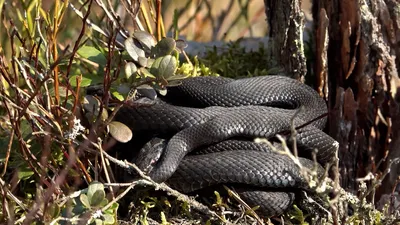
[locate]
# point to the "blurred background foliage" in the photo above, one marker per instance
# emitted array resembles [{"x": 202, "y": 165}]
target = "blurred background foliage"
[{"x": 198, "y": 20}]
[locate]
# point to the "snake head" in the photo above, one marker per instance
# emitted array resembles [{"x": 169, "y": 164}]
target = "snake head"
[{"x": 150, "y": 154}]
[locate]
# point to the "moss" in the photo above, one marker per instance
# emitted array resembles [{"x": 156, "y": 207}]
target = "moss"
[{"x": 235, "y": 61}]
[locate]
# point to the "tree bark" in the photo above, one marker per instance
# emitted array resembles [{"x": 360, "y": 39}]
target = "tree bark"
[
  {"x": 285, "y": 22},
  {"x": 356, "y": 66}
]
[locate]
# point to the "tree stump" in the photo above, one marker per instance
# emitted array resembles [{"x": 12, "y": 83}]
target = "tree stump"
[
  {"x": 356, "y": 62},
  {"x": 286, "y": 22},
  {"x": 356, "y": 68}
]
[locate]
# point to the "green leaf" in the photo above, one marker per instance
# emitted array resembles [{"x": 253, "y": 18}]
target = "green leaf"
[
  {"x": 79, "y": 208},
  {"x": 92, "y": 54},
  {"x": 219, "y": 199},
  {"x": 164, "y": 67},
  {"x": 98, "y": 222},
  {"x": 113, "y": 208},
  {"x": 108, "y": 219},
  {"x": 120, "y": 91},
  {"x": 134, "y": 48},
  {"x": 178, "y": 77},
  {"x": 93, "y": 188},
  {"x": 145, "y": 73},
  {"x": 164, "y": 47},
  {"x": 86, "y": 80},
  {"x": 130, "y": 69},
  {"x": 53, "y": 211},
  {"x": 181, "y": 44},
  {"x": 146, "y": 39},
  {"x": 97, "y": 198},
  {"x": 117, "y": 95},
  {"x": 84, "y": 200},
  {"x": 104, "y": 115},
  {"x": 143, "y": 61},
  {"x": 149, "y": 62},
  {"x": 298, "y": 215},
  {"x": 163, "y": 218},
  {"x": 104, "y": 202},
  {"x": 25, "y": 173}
]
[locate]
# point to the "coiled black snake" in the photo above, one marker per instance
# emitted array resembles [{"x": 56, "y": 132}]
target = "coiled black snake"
[{"x": 220, "y": 115}]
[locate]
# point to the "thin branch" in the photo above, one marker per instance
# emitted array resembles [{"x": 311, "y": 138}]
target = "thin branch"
[
  {"x": 148, "y": 181},
  {"x": 81, "y": 34}
]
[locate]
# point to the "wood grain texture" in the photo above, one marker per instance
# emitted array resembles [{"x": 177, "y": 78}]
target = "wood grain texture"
[{"x": 363, "y": 59}]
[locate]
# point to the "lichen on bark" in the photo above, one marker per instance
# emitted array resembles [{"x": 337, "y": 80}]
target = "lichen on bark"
[{"x": 286, "y": 23}]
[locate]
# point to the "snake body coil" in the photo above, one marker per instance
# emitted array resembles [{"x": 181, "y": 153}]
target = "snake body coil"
[{"x": 213, "y": 113}]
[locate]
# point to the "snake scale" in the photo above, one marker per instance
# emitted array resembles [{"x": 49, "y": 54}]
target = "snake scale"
[{"x": 219, "y": 117}]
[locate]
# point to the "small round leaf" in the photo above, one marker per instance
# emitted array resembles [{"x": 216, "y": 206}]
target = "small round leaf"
[
  {"x": 130, "y": 69},
  {"x": 93, "y": 187},
  {"x": 112, "y": 209},
  {"x": 134, "y": 48},
  {"x": 104, "y": 115},
  {"x": 149, "y": 62},
  {"x": 143, "y": 61},
  {"x": 146, "y": 39},
  {"x": 145, "y": 73},
  {"x": 163, "y": 92},
  {"x": 181, "y": 44},
  {"x": 164, "y": 47},
  {"x": 164, "y": 67},
  {"x": 97, "y": 198},
  {"x": 104, "y": 202},
  {"x": 84, "y": 200},
  {"x": 53, "y": 211},
  {"x": 177, "y": 77},
  {"x": 108, "y": 219},
  {"x": 120, "y": 131},
  {"x": 98, "y": 222}
]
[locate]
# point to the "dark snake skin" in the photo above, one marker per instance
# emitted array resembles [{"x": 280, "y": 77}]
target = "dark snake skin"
[{"x": 207, "y": 112}]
